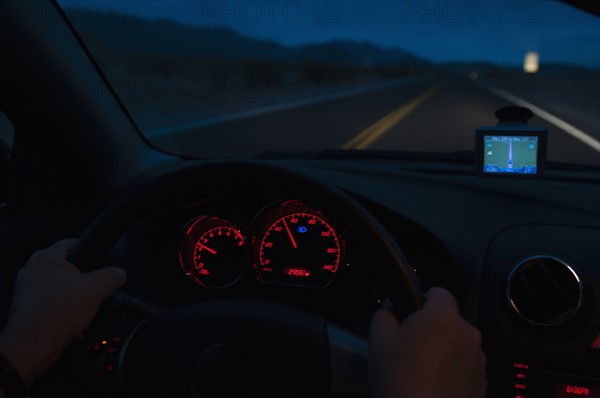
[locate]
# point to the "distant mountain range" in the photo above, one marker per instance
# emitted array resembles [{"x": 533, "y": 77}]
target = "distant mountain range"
[{"x": 130, "y": 35}]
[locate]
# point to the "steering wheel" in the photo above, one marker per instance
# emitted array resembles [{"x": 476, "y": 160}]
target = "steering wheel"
[{"x": 245, "y": 348}]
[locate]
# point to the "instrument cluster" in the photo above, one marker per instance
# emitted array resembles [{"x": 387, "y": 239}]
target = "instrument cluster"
[{"x": 286, "y": 243}]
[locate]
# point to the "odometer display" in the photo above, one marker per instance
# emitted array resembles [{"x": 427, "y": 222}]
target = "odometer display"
[{"x": 300, "y": 249}]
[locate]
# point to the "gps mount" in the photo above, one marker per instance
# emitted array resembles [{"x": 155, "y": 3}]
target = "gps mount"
[{"x": 513, "y": 115}]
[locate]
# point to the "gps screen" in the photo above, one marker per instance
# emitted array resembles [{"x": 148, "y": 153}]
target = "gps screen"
[{"x": 510, "y": 154}]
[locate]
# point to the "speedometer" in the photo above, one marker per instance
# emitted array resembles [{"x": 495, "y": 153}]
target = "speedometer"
[{"x": 296, "y": 245}]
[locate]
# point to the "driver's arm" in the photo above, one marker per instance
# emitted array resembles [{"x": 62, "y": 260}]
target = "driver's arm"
[
  {"x": 432, "y": 353},
  {"x": 52, "y": 305}
]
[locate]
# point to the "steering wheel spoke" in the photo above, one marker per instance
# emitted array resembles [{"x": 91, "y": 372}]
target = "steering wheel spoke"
[{"x": 348, "y": 362}]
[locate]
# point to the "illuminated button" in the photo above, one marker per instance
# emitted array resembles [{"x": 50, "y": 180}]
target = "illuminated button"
[
  {"x": 596, "y": 343},
  {"x": 521, "y": 369}
]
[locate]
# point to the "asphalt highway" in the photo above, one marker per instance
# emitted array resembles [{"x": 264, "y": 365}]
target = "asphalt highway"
[{"x": 429, "y": 115}]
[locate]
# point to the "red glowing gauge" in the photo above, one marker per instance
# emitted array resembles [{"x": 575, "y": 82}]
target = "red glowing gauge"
[
  {"x": 297, "y": 246},
  {"x": 212, "y": 252}
]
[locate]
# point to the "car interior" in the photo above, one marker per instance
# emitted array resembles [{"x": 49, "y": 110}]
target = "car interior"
[{"x": 258, "y": 276}]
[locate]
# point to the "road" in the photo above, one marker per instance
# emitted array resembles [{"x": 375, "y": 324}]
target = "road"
[{"x": 417, "y": 115}]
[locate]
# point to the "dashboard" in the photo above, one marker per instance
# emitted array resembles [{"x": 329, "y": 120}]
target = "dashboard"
[
  {"x": 284, "y": 249},
  {"x": 521, "y": 257}
]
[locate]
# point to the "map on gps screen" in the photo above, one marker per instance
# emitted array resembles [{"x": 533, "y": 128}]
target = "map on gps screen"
[{"x": 510, "y": 154}]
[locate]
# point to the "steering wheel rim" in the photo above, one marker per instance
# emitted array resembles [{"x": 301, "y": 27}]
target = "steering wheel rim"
[{"x": 227, "y": 176}]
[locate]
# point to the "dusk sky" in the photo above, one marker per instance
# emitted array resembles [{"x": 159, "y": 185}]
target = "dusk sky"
[{"x": 497, "y": 31}]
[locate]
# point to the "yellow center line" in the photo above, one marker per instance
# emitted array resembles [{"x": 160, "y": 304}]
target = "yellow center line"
[{"x": 382, "y": 126}]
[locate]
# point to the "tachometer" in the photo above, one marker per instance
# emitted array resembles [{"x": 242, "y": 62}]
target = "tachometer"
[
  {"x": 296, "y": 245},
  {"x": 212, "y": 252}
]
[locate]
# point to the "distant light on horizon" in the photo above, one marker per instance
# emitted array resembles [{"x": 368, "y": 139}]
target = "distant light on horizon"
[{"x": 532, "y": 62}]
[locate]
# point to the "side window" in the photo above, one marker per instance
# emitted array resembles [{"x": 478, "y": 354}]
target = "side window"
[{"x": 7, "y": 135}]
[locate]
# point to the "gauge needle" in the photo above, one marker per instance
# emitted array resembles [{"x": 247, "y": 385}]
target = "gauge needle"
[
  {"x": 287, "y": 228},
  {"x": 208, "y": 249}
]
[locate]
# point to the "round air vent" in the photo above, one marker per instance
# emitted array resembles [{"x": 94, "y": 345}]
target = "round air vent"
[{"x": 544, "y": 290}]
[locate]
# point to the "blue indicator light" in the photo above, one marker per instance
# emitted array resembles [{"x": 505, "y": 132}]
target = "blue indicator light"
[{"x": 302, "y": 230}]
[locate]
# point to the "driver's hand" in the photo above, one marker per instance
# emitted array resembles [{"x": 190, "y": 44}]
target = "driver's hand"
[
  {"x": 432, "y": 353},
  {"x": 52, "y": 305}
]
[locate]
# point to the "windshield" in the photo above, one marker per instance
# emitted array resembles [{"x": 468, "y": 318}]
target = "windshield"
[{"x": 213, "y": 79}]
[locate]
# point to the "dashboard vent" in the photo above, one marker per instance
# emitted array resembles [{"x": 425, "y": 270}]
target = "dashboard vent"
[{"x": 544, "y": 290}]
